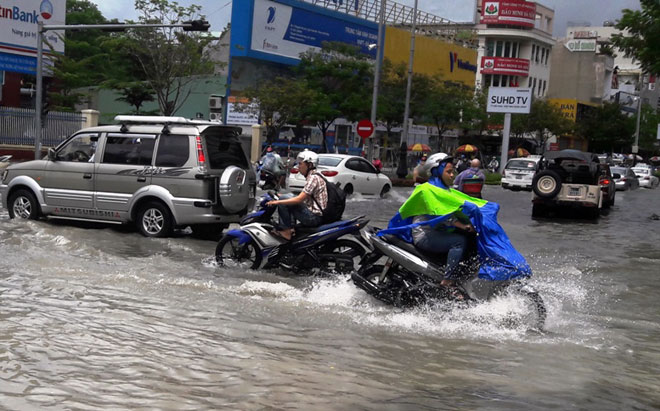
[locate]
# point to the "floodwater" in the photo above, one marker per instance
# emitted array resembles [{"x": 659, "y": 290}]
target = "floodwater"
[{"x": 102, "y": 318}]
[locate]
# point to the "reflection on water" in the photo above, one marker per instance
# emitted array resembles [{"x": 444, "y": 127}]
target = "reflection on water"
[{"x": 104, "y": 318}]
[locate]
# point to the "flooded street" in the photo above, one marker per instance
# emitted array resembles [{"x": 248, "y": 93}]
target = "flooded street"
[{"x": 103, "y": 318}]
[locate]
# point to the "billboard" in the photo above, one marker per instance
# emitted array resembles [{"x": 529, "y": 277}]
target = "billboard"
[
  {"x": 18, "y": 32},
  {"x": 509, "y": 12},
  {"x": 288, "y": 31},
  {"x": 509, "y": 100},
  {"x": 505, "y": 65}
]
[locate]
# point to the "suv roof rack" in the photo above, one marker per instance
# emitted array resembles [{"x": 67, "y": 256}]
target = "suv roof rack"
[{"x": 162, "y": 120}]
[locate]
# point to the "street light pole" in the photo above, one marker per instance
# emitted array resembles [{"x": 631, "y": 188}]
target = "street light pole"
[
  {"x": 635, "y": 147},
  {"x": 379, "y": 59},
  {"x": 193, "y": 25}
]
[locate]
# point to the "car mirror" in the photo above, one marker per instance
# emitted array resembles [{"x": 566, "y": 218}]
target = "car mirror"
[
  {"x": 616, "y": 175},
  {"x": 52, "y": 155}
]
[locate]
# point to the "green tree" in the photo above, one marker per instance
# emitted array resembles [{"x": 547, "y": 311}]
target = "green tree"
[
  {"x": 642, "y": 37},
  {"x": 543, "y": 121},
  {"x": 340, "y": 78},
  {"x": 607, "y": 129},
  {"x": 136, "y": 94},
  {"x": 169, "y": 57},
  {"x": 648, "y": 130}
]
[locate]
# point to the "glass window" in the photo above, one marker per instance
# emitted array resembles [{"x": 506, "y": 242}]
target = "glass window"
[
  {"x": 505, "y": 80},
  {"x": 366, "y": 167},
  {"x": 496, "y": 80},
  {"x": 521, "y": 164},
  {"x": 533, "y": 51},
  {"x": 134, "y": 149},
  {"x": 546, "y": 57},
  {"x": 488, "y": 80},
  {"x": 498, "y": 49},
  {"x": 224, "y": 148},
  {"x": 536, "y": 57},
  {"x": 490, "y": 48},
  {"x": 329, "y": 161},
  {"x": 530, "y": 82},
  {"x": 507, "y": 49},
  {"x": 353, "y": 164},
  {"x": 80, "y": 148},
  {"x": 514, "y": 49},
  {"x": 172, "y": 151}
]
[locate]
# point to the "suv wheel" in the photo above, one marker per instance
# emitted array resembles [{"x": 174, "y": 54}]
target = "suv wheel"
[
  {"x": 154, "y": 220},
  {"x": 23, "y": 204},
  {"x": 546, "y": 184}
]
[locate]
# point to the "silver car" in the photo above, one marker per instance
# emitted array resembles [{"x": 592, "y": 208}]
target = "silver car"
[
  {"x": 157, "y": 172},
  {"x": 624, "y": 178},
  {"x": 646, "y": 177}
]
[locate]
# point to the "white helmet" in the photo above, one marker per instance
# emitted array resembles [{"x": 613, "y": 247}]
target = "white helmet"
[
  {"x": 308, "y": 156},
  {"x": 435, "y": 159}
]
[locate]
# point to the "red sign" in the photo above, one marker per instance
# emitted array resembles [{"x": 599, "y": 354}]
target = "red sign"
[
  {"x": 505, "y": 65},
  {"x": 508, "y": 12},
  {"x": 365, "y": 128}
]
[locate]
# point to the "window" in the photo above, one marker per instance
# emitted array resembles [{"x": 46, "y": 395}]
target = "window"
[
  {"x": 546, "y": 57},
  {"x": 534, "y": 87},
  {"x": 533, "y": 51},
  {"x": 490, "y": 48},
  {"x": 507, "y": 49},
  {"x": 172, "y": 151},
  {"x": 505, "y": 80},
  {"x": 514, "y": 49},
  {"x": 133, "y": 149},
  {"x": 79, "y": 148},
  {"x": 530, "y": 82},
  {"x": 329, "y": 161},
  {"x": 488, "y": 80},
  {"x": 536, "y": 57},
  {"x": 496, "y": 80},
  {"x": 498, "y": 49}
]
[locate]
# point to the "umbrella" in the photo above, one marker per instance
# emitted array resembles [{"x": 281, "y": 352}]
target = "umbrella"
[
  {"x": 655, "y": 158},
  {"x": 519, "y": 152},
  {"x": 637, "y": 157},
  {"x": 467, "y": 148},
  {"x": 419, "y": 147}
]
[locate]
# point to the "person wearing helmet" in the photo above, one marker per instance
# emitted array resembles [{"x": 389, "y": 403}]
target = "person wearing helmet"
[
  {"x": 307, "y": 207},
  {"x": 272, "y": 162}
]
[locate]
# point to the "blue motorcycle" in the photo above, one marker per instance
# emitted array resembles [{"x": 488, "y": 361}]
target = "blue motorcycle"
[{"x": 312, "y": 250}]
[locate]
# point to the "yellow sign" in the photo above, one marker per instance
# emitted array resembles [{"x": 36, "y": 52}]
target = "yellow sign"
[
  {"x": 567, "y": 106},
  {"x": 432, "y": 56}
]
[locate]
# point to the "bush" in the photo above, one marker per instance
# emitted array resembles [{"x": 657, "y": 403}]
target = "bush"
[{"x": 493, "y": 178}]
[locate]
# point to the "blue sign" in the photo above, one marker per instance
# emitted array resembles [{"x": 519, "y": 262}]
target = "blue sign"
[{"x": 18, "y": 63}]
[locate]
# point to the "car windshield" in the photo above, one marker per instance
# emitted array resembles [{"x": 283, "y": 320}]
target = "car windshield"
[
  {"x": 641, "y": 170},
  {"x": 521, "y": 165},
  {"x": 329, "y": 161},
  {"x": 619, "y": 170}
]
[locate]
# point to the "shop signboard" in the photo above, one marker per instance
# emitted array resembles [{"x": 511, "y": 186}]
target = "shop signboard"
[
  {"x": 288, "y": 31},
  {"x": 18, "y": 32},
  {"x": 505, "y": 65},
  {"x": 509, "y": 100},
  {"x": 509, "y": 12},
  {"x": 581, "y": 45},
  {"x": 247, "y": 116}
]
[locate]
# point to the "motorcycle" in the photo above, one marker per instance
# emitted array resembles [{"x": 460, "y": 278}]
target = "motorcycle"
[
  {"x": 312, "y": 249},
  {"x": 410, "y": 277},
  {"x": 268, "y": 180}
]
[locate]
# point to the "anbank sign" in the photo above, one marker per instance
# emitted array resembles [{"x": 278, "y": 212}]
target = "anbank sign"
[
  {"x": 454, "y": 61},
  {"x": 18, "y": 31}
]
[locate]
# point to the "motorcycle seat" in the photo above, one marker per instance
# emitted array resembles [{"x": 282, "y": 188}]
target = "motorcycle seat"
[
  {"x": 302, "y": 230},
  {"x": 436, "y": 258}
]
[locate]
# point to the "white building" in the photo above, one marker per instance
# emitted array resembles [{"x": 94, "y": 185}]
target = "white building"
[{"x": 515, "y": 40}]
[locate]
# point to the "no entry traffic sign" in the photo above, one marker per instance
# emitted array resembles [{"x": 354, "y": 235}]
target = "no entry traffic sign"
[{"x": 365, "y": 128}]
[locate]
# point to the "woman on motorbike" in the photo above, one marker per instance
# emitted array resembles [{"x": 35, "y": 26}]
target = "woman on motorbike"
[
  {"x": 307, "y": 207},
  {"x": 443, "y": 237}
]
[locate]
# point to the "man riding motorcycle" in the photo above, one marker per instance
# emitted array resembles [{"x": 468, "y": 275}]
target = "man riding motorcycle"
[{"x": 307, "y": 207}]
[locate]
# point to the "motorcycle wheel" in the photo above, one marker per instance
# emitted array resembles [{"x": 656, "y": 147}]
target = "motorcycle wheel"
[
  {"x": 373, "y": 274},
  {"x": 536, "y": 308},
  {"x": 345, "y": 247},
  {"x": 229, "y": 253}
]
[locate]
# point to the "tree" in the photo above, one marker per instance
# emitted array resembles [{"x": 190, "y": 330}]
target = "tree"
[
  {"x": 543, "y": 121},
  {"x": 642, "y": 37},
  {"x": 169, "y": 56},
  {"x": 278, "y": 102},
  {"x": 445, "y": 103},
  {"x": 607, "y": 129},
  {"x": 136, "y": 94},
  {"x": 648, "y": 129},
  {"x": 339, "y": 77}
]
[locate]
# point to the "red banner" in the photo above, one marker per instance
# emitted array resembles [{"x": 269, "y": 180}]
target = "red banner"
[
  {"x": 509, "y": 12},
  {"x": 505, "y": 65}
]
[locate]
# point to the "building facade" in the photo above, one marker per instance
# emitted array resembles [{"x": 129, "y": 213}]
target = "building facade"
[{"x": 515, "y": 42}]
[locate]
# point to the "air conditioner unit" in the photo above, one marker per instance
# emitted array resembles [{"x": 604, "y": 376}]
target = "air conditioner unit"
[
  {"x": 215, "y": 116},
  {"x": 215, "y": 103}
]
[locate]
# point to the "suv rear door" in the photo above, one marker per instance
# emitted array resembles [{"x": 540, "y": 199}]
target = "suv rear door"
[{"x": 124, "y": 168}]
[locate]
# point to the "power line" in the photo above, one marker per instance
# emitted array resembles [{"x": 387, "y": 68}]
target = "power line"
[{"x": 213, "y": 12}]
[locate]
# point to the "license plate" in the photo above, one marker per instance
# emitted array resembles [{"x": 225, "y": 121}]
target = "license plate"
[
  {"x": 519, "y": 177},
  {"x": 574, "y": 191}
]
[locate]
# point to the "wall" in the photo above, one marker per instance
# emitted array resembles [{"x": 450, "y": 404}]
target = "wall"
[{"x": 432, "y": 56}]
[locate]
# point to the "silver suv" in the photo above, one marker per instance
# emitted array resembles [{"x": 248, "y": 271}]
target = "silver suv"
[{"x": 158, "y": 172}]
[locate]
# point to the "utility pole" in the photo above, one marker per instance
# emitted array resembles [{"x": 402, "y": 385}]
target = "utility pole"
[
  {"x": 635, "y": 147},
  {"x": 379, "y": 59},
  {"x": 402, "y": 171},
  {"x": 194, "y": 25}
]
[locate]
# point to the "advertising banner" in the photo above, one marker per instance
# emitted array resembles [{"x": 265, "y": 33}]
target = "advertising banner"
[
  {"x": 246, "y": 117},
  {"x": 509, "y": 12},
  {"x": 18, "y": 32},
  {"x": 509, "y": 100},
  {"x": 289, "y": 31},
  {"x": 581, "y": 45},
  {"x": 505, "y": 65}
]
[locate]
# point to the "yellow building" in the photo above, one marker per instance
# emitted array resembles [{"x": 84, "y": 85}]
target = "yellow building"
[
  {"x": 432, "y": 56},
  {"x": 573, "y": 110}
]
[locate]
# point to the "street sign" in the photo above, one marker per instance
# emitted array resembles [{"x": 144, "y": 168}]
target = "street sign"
[
  {"x": 509, "y": 100},
  {"x": 581, "y": 45},
  {"x": 365, "y": 128}
]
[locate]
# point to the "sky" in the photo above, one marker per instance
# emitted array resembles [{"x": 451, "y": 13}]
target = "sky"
[{"x": 595, "y": 12}]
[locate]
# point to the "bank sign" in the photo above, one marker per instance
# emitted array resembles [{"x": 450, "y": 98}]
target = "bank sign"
[
  {"x": 511, "y": 12},
  {"x": 288, "y": 31},
  {"x": 18, "y": 32}
]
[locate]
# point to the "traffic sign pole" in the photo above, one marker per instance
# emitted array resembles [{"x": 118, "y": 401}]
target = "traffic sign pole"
[{"x": 505, "y": 141}]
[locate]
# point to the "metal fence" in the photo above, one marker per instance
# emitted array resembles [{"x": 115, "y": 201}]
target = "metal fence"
[
  {"x": 395, "y": 13},
  {"x": 17, "y": 126}
]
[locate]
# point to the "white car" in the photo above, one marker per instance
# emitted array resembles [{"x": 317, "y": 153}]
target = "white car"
[
  {"x": 646, "y": 177},
  {"x": 354, "y": 173},
  {"x": 519, "y": 173}
]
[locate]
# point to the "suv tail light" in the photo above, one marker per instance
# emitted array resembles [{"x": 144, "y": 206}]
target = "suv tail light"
[
  {"x": 503, "y": 172},
  {"x": 201, "y": 160},
  {"x": 294, "y": 170},
  {"x": 605, "y": 182},
  {"x": 329, "y": 173}
]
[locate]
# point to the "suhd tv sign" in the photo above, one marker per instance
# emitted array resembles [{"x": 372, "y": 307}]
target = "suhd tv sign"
[{"x": 509, "y": 100}]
